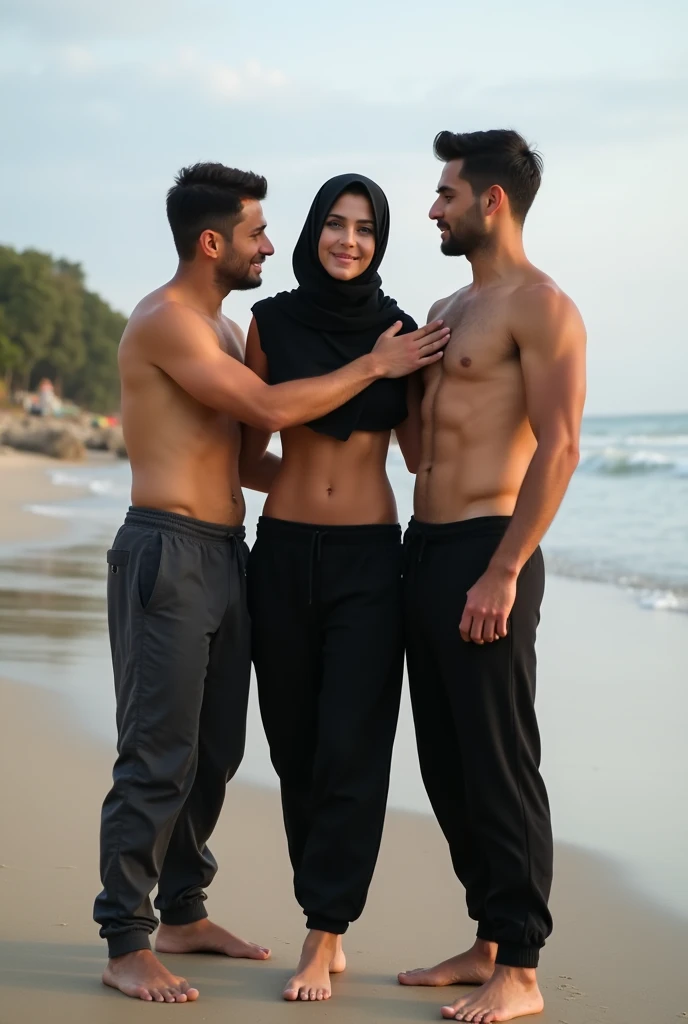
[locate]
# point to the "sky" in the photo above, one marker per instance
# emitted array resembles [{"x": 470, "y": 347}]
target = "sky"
[{"x": 103, "y": 102}]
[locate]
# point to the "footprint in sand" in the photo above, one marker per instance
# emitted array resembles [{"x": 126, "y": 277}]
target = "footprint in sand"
[{"x": 570, "y": 992}]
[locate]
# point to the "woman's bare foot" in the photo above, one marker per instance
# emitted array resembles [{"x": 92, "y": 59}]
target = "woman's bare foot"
[
  {"x": 474, "y": 967},
  {"x": 142, "y": 976},
  {"x": 322, "y": 954},
  {"x": 338, "y": 964},
  {"x": 206, "y": 937},
  {"x": 511, "y": 992}
]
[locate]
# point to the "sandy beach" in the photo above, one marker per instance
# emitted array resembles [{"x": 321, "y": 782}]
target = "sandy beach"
[
  {"x": 613, "y": 960},
  {"x": 616, "y": 957}
]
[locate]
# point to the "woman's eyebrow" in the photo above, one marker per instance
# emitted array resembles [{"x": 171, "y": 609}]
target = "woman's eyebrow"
[{"x": 362, "y": 220}]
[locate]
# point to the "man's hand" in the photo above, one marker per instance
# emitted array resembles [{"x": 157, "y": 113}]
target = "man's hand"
[
  {"x": 488, "y": 606},
  {"x": 398, "y": 355}
]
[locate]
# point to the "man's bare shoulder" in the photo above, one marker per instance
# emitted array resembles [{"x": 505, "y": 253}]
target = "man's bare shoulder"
[
  {"x": 539, "y": 304},
  {"x": 162, "y": 320},
  {"x": 160, "y": 308}
]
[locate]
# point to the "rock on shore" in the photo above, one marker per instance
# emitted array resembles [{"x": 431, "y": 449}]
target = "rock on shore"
[{"x": 59, "y": 439}]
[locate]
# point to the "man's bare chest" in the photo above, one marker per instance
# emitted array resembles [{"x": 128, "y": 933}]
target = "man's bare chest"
[{"x": 480, "y": 339}]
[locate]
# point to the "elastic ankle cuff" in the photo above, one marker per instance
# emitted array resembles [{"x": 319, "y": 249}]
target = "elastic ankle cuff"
[
  {"x": 485, "y": 934},
  {"x": 326, "y": 924},
  {"x": 509, "y": 955},
  {"x": 128, "y": 942},
  {"x": 187, "y": 914}
]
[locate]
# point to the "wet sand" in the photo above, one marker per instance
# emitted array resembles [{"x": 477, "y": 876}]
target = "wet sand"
[{"x": 614, "y": 959}]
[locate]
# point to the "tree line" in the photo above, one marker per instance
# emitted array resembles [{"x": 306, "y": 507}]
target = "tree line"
[{"x": 52, "y": 326}]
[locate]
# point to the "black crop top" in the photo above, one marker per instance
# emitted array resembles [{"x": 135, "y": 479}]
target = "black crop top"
[{"x": 295, "y": 351}]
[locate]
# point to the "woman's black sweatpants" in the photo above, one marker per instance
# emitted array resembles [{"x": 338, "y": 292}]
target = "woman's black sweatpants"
[
  {"x": 326, "y": 612},
  {"x": 477, "y": 733}
]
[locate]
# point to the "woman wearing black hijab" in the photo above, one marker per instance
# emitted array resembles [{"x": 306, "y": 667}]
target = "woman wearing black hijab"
[{"x": 324, "y": 577}]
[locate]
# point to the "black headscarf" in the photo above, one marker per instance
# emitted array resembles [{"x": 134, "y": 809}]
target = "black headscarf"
[
  {"x": 325, "y": 323},
  {"x": 323, "y": 302}
]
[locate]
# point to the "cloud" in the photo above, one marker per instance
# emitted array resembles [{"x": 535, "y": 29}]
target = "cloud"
[
  {"x": 123, "y": 19},
  {"x": 127, "y": 116},
  {"x": 190, "y": 69},
  {"x": 75, "y": 59},
  {"x": 130, "y": 79}
]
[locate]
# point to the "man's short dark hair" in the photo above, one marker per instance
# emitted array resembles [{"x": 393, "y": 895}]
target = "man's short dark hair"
[
  {"x": 209, "y": 197},
  {"x": 498, "y": 157}
]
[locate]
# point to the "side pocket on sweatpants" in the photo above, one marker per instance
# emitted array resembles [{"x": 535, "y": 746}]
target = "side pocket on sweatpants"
[
  {"x": 149, "y": 569},
  {"x": 116, "y": 560}
]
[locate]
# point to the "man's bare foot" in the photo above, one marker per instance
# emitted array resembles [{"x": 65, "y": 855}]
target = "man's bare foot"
[
  {"x": 142, "y": 976},
  {"x": 511, "y": 992},
  {"x": 474, "y": 967},
  {"x": 206, "y": 937},
  {"x": 321, "y": 956}
]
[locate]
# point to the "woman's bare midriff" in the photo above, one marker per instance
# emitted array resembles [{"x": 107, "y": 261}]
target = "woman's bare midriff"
[{"x": 333, "y": 483}]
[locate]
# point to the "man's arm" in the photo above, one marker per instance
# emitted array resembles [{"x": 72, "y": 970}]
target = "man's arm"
[
  {"x": 257, "y": 466},
  {"x": 550, "y": 335},
  {"x": 184, "y": 345}
]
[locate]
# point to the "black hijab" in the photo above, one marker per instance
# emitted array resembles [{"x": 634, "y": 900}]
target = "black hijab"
[
  {"x": 325, "y": 323},
  {"x": 323, "y": 302}
]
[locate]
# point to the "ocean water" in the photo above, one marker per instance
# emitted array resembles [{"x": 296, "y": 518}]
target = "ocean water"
[{"x": 624, "y": 519}]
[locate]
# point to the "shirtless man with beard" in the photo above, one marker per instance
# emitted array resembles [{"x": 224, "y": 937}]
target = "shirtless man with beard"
[
  {"x": 500, "y": 423},
  {"x": 179, "y": 628}
]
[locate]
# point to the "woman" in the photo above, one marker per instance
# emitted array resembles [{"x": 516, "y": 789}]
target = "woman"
[{"x": 324, "y": 577}]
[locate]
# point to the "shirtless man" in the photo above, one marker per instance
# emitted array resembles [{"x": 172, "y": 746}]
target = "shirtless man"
[
  {"x": 179, "y": 628},
  {"x": 500, "y": 426}
]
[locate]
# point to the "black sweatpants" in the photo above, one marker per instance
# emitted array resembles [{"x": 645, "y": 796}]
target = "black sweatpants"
[
  {"x": 180, "y": 639},
  {"x": 477, "y": 733},
  {"x": 326, "y": 612}
]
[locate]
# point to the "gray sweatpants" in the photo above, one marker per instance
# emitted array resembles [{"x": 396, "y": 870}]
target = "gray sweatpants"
[{"x": 180, "y": 639}]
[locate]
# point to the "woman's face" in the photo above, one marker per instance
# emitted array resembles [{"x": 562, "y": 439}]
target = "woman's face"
[{"x": 347, "y": 241}]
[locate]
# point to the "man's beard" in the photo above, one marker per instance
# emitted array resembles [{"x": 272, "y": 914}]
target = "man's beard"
[
  {"x": 464, "y": 241},
  {"x": 231, "y": 277}
]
